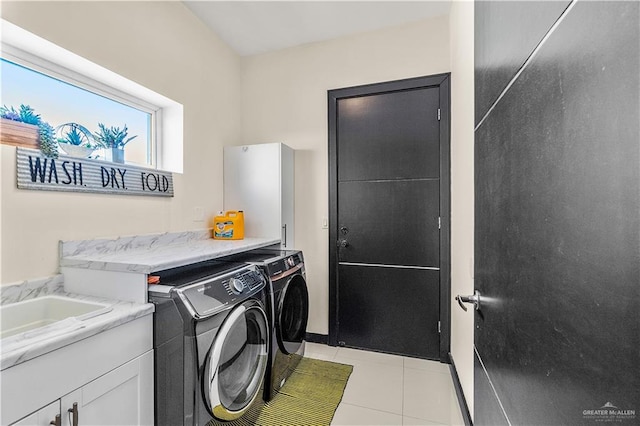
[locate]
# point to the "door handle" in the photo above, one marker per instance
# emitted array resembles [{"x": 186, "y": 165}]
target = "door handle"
[{"x": 475, "y": 299}]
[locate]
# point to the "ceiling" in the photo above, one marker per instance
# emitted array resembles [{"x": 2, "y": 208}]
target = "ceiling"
[{"x": 253, "y": 27}]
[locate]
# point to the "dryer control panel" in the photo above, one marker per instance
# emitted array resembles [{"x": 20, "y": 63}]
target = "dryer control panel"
[{"x": 280, "y": 266}]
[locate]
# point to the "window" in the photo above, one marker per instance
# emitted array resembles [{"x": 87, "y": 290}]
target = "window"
[
  {"x": 64, "y": 88},
  {"x": 60, "y": 103}
]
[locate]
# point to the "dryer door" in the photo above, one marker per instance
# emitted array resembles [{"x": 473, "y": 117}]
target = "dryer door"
[
  {"x": 237, "y": 362},
  {"x": 293, "y": 313}
]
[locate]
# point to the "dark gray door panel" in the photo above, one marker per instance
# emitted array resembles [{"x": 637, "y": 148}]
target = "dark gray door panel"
[
  {"x": 558, "y": 224},
  {"x": 390, "y": 222},
  {"x": 386, "y": 304},
  {"x": 389, "y": 136},
  {"x": 506, "y": 34},
  {"x": 488, "y": 411}
]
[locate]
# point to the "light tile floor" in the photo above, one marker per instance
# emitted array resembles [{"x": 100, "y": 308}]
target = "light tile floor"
[{"x": 392, "y": 390}]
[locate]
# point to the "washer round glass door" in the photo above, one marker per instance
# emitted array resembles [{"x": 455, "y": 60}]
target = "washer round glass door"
[
  {"x": 293, "y": 313},
  {"x": 237, "y": 362}
]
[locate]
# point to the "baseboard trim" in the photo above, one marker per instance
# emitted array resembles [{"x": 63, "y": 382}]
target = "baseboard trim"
[
  {"x": 317, "y": 338},
  {"x": 464, "y": 408}
]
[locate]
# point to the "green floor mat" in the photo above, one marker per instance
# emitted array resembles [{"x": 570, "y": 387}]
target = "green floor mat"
[{"x": 309, "y": 397}]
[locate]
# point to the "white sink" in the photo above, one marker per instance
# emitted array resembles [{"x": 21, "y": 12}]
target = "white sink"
[{"x": 44, "y": 312}]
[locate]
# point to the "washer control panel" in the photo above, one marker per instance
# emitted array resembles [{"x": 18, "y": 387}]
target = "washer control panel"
[
  {"x": 243, "y": 282},
  {"x": 207, "y": 294}
]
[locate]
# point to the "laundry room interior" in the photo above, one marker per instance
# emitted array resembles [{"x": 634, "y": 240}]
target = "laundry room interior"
[{"x": 326, "y": 212}]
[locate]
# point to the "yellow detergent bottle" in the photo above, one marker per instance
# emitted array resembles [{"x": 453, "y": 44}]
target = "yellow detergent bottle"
[{"x": 229, "y": 226}]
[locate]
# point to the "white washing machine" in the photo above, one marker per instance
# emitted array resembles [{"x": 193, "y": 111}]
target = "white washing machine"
[{"x": 211, "y": 340}]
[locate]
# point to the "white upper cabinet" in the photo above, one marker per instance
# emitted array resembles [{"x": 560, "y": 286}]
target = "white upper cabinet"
[{"x": 258, "y": 179}]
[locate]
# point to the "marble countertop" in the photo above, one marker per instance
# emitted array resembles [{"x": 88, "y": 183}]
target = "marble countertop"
[
  {"x": 139, "y": 254},
  {"x": 150, "y": 253},
  {"x": 25, "y": 348}
]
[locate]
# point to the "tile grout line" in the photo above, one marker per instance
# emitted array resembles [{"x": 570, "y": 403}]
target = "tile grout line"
[
  {"x": 426, "y": 369},
  {"x": 374, "y": 409}
]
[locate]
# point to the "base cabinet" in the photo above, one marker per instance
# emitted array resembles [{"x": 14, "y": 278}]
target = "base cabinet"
[
  {"x": 109, "y": 376},
  {"x": 42, "y": 417},
  {"x": 123, "y": 396}
]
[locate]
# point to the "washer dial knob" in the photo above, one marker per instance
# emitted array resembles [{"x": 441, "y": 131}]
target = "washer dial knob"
[{"x": 236, "y": 285}]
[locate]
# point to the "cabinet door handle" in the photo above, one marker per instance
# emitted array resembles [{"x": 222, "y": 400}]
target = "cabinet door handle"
[
  {"x": 284, "y": 241},
  {"x": 57, "y": 421},
  {"x": 73, "y": 411}
]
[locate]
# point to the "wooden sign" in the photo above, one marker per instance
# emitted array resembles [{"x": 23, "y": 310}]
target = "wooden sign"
[{"x": 72, "y": 174}]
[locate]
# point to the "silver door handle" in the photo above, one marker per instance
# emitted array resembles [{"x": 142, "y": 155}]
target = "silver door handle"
[{"x": 475, "y": 299}]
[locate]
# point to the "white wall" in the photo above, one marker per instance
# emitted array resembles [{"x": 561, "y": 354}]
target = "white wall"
[
  {"x": 284, "y": 99},
  {"x": 282, "y": 96},
  {"x": 164, "y": 47},
  {"x": 462, "y": 145}
]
